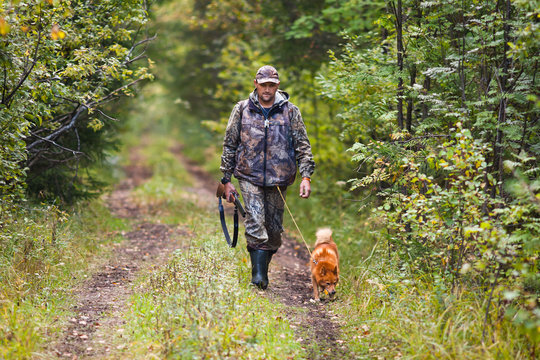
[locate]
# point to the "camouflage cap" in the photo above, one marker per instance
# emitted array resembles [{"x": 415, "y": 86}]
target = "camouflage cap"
[{"x": 267, "y": 73}]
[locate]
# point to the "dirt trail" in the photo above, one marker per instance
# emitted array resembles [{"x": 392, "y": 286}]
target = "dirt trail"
[{"x": 102, "y": 298}]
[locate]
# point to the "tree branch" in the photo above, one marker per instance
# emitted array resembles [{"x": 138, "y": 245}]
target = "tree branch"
[
  {"x": 59, "y": 131},
  {"x": 136, "y": 58},
  {"x": 7, "y": 101},
  {"x": 107, "y": 116},
  {"x": 74, "y": 152},
  {"x": 112, "y": 94},
  {"x": 143, "y": 41},
  {"x": 420, "y": 138}
]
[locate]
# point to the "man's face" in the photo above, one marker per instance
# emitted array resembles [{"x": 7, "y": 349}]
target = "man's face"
[{"x": 266, "y": 92}]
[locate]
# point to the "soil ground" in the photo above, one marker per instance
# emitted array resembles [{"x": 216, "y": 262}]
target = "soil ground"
[{"x": 101, "y": 299}]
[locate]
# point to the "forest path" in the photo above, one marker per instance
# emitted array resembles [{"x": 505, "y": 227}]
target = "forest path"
[{"x": 102, "y": 298}]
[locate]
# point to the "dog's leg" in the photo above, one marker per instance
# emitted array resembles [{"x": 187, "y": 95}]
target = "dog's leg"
[{"x": 315, "y": 289}]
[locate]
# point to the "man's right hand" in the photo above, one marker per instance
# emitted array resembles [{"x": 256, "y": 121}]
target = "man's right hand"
[{"x": 229, "y": 191}]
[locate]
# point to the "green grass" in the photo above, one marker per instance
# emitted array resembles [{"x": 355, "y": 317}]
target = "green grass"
[
  {"x": 400, "y": 315},
  {"x": 44, "y": 254}
]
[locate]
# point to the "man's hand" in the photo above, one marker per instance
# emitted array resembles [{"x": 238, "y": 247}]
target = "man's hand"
[
  {"x": 229, "y": 190},
  {"x": 305, "y": 188}
]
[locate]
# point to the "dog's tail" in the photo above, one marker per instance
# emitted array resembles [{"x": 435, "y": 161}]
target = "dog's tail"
[{"x": 324, "y": 236}]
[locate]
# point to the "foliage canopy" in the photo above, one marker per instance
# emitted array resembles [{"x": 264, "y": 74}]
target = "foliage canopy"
[{"x": 63, "y": 62}]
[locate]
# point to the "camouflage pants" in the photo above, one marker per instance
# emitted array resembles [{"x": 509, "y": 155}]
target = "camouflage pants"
[{"x": 264, "y": 215}]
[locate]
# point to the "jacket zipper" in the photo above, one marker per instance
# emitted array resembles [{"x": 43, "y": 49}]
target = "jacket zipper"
[{"x": 266, "y": 125}]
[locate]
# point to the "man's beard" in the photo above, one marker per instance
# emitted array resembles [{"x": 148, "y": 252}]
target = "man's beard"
[{"x": 266, "y": 97}]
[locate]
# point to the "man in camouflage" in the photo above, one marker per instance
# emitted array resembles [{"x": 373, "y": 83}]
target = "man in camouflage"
[{"x": 265, "y": 142}]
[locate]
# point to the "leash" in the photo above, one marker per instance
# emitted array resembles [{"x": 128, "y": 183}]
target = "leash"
[
  {"x": 297, "y": 228},
  {"x": 232, "y": 243},
  {"x": 237, "y": 207}
]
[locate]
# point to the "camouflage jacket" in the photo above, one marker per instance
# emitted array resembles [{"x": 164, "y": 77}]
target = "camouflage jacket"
[{"x": 266, "y": 155}]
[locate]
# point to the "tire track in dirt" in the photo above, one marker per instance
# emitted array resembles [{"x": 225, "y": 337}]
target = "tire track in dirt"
[
  {"x": 102, "y": 298},
  {"x": 290, "y": 282}
]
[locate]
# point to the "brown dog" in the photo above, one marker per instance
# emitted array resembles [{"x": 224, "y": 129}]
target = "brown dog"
[{"x": 324, "y": 264}]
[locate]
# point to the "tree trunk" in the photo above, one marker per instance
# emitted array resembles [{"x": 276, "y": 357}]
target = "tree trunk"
[
  {"x": 384, "y": 36},
  {"x": 525, "y": 121},
  {"x": 503, "y": 102},
  {"x": 399, "y": 30},
  {"x": 410, "y": 100},
  {"x": 427, "y": 87},
  {"x": 462, "y": 76}
]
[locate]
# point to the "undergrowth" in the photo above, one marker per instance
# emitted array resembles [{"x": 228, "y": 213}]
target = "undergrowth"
[
  {"x": 44, "y": 252},
  {"x": 392, "y": 312}
]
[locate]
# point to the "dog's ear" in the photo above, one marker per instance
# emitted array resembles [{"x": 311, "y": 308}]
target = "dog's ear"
[
  {"x": 323, "y": 270},
  {"x": 335, "y": 270}
]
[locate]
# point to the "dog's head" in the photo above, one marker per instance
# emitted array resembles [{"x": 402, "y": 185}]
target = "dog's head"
[{"x": 327, "y": 277}]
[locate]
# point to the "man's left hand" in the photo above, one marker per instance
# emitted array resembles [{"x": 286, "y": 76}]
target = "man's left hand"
[{"x": 305, "y": 188}]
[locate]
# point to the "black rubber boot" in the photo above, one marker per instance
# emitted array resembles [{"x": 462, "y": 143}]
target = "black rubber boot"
[{"x": 259, "y": 267}]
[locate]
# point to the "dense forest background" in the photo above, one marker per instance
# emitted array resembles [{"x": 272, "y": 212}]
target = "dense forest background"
[{"x": 423, "y": 118}]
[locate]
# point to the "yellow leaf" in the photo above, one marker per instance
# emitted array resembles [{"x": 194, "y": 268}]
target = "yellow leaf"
[
  {"x": 57, "y": 33},
  {"x": 4, "y": 27}
]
